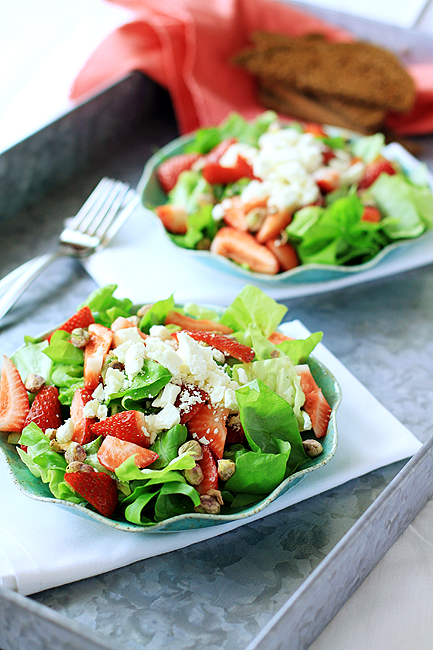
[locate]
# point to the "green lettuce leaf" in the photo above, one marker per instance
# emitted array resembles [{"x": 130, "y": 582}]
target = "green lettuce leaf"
[
  {"x": 101, "y": 301},
  {"x": 280, "y": 376},
  {"x": 267, "y": 418},
  {"x": 31, "y": 359},
  {"x": 157, "y": 314},
  {"x": 253, "y": 306},
  {"x": 410, "y": 207},
  {"x": 167, "y": 444},
  {"x": 45, "y": 464},
  {"x": 259, "y": 473}
]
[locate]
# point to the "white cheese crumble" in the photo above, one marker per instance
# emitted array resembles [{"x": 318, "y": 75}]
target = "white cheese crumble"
[
  {"x": 115, "y": 382},
  {"x": 65, "y": 432},
  {"x": 165, "y": 419},
  {"x": 168, "y": 395},
  {"x": 127, "y": 334},
  {"x": 284, "y": 164},
  {"x": 163, "y": 353},
  {"x": 161, "y": 332}
]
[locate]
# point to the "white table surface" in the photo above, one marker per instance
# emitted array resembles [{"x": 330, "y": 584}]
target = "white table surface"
[{"x": 45, "y": 44}]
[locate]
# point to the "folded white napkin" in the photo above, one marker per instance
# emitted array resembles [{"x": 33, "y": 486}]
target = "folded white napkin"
[
  {"x": 43, "y": 546},
  {"x": 146, "y": 266}
]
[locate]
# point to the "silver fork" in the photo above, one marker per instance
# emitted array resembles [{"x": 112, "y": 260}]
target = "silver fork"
[{"x": 96, "y": 223}]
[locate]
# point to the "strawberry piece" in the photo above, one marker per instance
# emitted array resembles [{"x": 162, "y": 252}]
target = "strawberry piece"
[
  {"x": 189, "y": 401},
  {"x": 374, "y": 169},
  {"x": 114, "y": 451},
  {"x": 230, "y": 347},
  {"x": 169, "y": 170},
  {"x": 100, "y": 339},
  {"x": 315, "y": 402},
  {"x": 371, "y": 214},
  {"x": 243, "y": 248},
  {"x": 315, "y": 129},
  {"x": 97, "y": 488},
  {"x": 82, "y": 425},
  {"x": 217, "y": 152},
  {"x": 210, "y": 472},
  {"x": 126, "y": 425},
  {"x": 208, "y": 426},
  {"x": 278, "y": 337},
  {"x": 328, "y": 179},
  {"x": 216, "y": 174},
  {"x": 235, "y": 215},
  {"x": 173, "y": 217},
  {"x": 83, "y": 318},
  {"x": 285, "y": 253},
  {"x": 46, "y": 409},
  {"x": 235, "y": 431},
  {"x": 273, "y": 225},
  {"x": 14, "y": 401},
  {"x": 188, "y": 323}
]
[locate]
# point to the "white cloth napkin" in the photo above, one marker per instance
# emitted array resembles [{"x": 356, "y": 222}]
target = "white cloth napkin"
[
  {"x": 43, "y": 546},
  {"x": 391, "y": 12},
  {"x": 146, "y": 266}
]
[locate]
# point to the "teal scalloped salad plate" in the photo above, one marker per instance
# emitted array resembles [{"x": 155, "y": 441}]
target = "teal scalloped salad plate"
[
  {"x": 34, "y": 488},
  {"x": 152, "y": 195}
]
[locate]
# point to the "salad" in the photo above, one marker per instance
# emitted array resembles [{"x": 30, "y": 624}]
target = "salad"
[
  {"x": 272, "y": 196},
  {"x": 144, "y": 413}
]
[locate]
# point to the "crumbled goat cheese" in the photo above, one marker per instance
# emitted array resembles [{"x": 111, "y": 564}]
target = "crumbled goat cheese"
[
  {"x": 168, "y": 395},
  {"x": 65, "y": 432}
]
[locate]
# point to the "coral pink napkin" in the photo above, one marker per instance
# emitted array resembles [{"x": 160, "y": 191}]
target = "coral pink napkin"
[{"x": 186, "y": 46}]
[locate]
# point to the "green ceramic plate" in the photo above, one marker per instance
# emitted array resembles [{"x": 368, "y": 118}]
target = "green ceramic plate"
[
  {"x": 152, "y": 195},
  {"x": 34, "y": 488}
]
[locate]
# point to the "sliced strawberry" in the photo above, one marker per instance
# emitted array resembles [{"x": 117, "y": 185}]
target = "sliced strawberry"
[
  {"x": 208, "y": 426},
  {"x": 315, "y": 402},
  {"x": 217, "y": 152},
  {"x": 243, "y": 248},
  {"x": 278, "y": 337},
  {"x": 371, "y": 214},
  {"x": 168, "y": 171},
  {"x": 14, "y": 401},
  {"x": 121, "y": 323},
  {"x": 46, "y": 409},
  {"x": 188, "y": 323},
  {"x": 235, "y": 431},
  {"x": 100, "y": 339},
  {"x": 216, "y": 174},
  {"x": 234, "y": 214},
  {"x": 374, "y": 169},
  {"x": 327, "y": 178},
  {"x": 316, "y": 129},
  {"x": 126, "y": 425},
  {"x": 97, "y": 488},
  {"x": 83, "y": 318},
  {"x": 210, "y": 472},
  {"x": 189, "y": 401},
  {"x": 173, "y": 217},
  {"x": 224, "y": 344},
  {"x": 273, "y": 225},
  {"x": 285, "y": 253},
  {"x": 114, "y": 451},
  {"x": 82, "y": 425}
]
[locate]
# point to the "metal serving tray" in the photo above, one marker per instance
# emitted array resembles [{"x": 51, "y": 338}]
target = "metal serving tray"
[{"x": 284, "y": 576}]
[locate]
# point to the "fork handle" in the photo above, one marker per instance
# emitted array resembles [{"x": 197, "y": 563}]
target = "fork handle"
[{"x": 14, "y": 284}]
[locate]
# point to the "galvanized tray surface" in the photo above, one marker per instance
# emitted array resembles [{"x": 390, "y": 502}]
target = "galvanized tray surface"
[{"x": 277, "y": 582}]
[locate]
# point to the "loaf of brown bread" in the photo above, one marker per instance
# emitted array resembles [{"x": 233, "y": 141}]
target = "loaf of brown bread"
[{"x": 346, "y": 84}]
